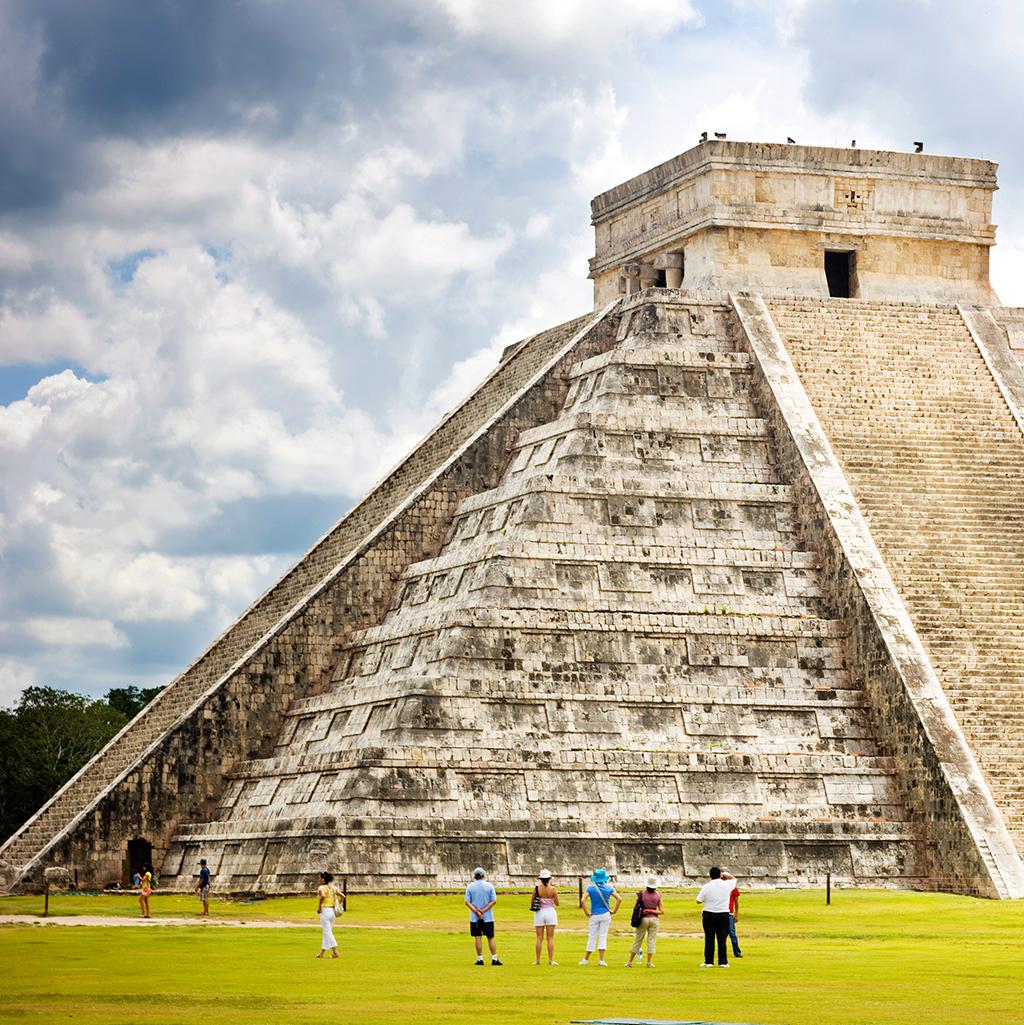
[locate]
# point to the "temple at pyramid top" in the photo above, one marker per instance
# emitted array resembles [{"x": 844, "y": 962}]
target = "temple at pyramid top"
[{"x": 804, "y": 220}]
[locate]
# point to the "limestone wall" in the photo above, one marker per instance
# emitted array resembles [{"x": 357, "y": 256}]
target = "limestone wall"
[
  {"x": 760, "y": 216},
  {"x": 170, "y": 763}
]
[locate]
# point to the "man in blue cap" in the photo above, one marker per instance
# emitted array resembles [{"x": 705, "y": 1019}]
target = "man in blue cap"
[
  {"x": 599, "y": 903},
  {"x": 480, "y": 899}
]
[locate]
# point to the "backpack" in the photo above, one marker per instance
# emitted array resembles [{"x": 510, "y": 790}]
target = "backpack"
[{"x": 638, "y": 910}]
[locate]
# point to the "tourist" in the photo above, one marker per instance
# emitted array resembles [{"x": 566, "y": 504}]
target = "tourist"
[
  {"x": 599, "y": 896},
  {"x": 651, "y": 910},
  {"x": 714, "y": 895},
  {"x": 203, "y": 887},
  {"x": 545, "y": 918},
  {"x": 145, "y": 889},
  {"x": 480, "y": 899},
  {"x": 734, "y": 914},
  {"x": 331, "y": 903}
]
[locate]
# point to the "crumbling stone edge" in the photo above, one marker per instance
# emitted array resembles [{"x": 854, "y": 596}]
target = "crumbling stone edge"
[{"x": 969, "y": 845}]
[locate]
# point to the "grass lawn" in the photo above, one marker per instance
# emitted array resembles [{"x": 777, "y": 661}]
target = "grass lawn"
[{"x": 872, "y": 957}]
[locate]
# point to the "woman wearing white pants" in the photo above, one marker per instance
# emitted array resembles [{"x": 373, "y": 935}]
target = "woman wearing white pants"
[
  {"x": 599, "y": 903},
  {"x": 327, "y": 909}
]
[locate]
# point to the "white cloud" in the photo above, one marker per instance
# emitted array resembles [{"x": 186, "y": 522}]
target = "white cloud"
[
  {"x": 1007, "y": 273},
  {"x": 15, "y": 254},
  {"x": 19, "y": 422},
  {"x": 45, "y": 328},
  {"x": 15, "y": 676},
  {"x": 537, "y": 225},
  {"x": 75, "y": 632},
  {"x": 531, "y": 24}
]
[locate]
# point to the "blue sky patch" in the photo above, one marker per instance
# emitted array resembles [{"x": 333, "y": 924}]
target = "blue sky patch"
[
  {"x": 123, "y": 270},
  {"x": 16, "y": 380}
]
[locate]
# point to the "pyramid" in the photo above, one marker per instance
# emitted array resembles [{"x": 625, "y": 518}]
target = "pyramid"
[{"x": 642, "y": 600}]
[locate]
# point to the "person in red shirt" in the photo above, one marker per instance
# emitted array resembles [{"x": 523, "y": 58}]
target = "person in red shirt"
[{"x": 734, "y": 915}]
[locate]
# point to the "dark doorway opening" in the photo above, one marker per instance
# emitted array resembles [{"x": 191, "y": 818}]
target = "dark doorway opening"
[
  {"x": 140, "y": 856},
  {"x": 660, "y": 283},
  {"x": 841, "y": 274}
]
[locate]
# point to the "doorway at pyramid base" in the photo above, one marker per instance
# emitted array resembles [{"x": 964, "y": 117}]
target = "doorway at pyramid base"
[{"x": 373, "y": 856}]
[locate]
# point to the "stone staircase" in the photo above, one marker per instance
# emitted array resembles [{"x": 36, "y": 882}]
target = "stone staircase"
[
  {"x": 619, "y": 656},
  {"x": 78, "y": 795},
  {"x": 937, "y": 465}
]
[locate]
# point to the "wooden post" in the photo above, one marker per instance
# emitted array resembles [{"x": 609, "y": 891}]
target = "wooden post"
[
  {"x": 581, "y": 889},
  {"x": 46, "y": 898},
  {"x": 828, "y": 887},
  {"x": 344, "y": 892}
]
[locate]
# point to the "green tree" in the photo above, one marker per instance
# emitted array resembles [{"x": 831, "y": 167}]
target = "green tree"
[
  {"x": 44, "y": 740},
  {"x": 129, "y": 701}
]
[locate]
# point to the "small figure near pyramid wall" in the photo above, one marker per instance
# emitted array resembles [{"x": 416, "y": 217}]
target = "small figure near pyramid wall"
[{"x": 621, "y": 607}]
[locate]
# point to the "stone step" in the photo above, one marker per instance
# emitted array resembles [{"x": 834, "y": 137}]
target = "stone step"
[
  {"x": 651, "y": 421},
  {"x": 640, "y": 688},
  {"x": 675, "y": 357},
  {"x": 600, "y": 551}
]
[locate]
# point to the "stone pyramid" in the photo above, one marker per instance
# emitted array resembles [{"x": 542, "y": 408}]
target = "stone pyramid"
[
  {"x": 633, "y": 603},
  {"x": 618, "y": 657}
]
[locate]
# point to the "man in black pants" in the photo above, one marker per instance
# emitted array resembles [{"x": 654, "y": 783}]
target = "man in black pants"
[{"x": 714, "y": 895}]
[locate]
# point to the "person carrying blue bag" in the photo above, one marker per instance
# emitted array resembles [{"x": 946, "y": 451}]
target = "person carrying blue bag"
[{"x": 599, "y": 903}]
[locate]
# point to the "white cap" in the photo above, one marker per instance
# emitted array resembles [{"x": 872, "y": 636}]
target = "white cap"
[
  {"x": 544, "y": 875},
  {"x": 478, "y": 873},
  {"x": 652, "y": 882}
]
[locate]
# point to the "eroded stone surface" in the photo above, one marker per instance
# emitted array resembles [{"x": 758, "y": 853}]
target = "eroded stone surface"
[{"x": 620, "y": 655}]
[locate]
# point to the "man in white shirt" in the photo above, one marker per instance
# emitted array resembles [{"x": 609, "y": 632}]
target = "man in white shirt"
[{"x": 714, "y": 895}]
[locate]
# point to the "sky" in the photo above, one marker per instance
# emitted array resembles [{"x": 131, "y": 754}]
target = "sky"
[{"x": 251, "y": 250}]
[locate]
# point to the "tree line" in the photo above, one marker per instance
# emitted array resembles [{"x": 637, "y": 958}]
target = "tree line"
[{"x": 48, "y": 736}]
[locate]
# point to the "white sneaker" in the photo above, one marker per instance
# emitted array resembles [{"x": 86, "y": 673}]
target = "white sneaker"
[
  {"x": 723, "y": 966},
  {"x": 650, "y": 964},
  {"x": 584, "y": 963},
  {"x": 604, "y": 964},
  {"x": 628, "y": 964},
  {"x": 552, "y": 964},
  {"x": 706, "y": 965}
]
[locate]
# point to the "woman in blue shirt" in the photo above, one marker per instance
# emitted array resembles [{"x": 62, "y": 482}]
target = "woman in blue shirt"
[{"x": 599, "y": 903}]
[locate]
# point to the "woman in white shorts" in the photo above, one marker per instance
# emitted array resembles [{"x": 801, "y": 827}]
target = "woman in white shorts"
[{"x": 545, "y": 918}]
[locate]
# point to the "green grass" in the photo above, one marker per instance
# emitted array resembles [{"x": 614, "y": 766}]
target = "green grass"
[{"x": 872, "y": 957}]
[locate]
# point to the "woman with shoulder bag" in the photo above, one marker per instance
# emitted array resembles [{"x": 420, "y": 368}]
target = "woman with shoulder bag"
[
  {"x": 331, "y": 904},
  {"x": 646, "y": 917},
  {"x": 545, "y": 917},
  {"x": 599, "y": 903}
]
